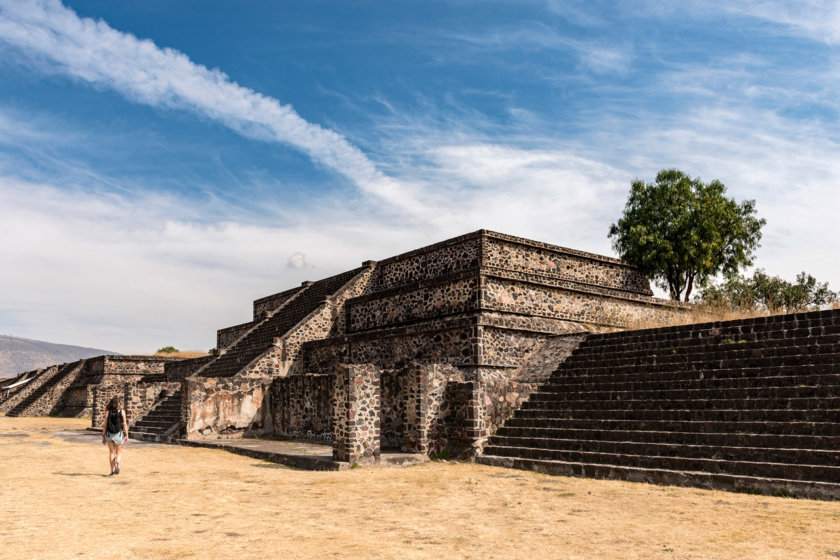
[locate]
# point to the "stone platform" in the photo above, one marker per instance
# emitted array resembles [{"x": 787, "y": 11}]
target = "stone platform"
[{"x": 309, "y": 456}]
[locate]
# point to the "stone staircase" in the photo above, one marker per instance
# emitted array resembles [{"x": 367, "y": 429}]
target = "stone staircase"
[
  {"x": 161, "y": 423},
  {"x": 261, "y": 337},
  {"x": 37, "y": 378},
  {"x": 30, "y": 405},
  {"x": 750, "y": 405}
]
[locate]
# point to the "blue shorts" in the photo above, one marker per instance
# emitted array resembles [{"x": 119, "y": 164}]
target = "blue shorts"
[{"x": 116, "y": 439}]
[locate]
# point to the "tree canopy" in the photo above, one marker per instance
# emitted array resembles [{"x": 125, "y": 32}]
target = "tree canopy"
[
  {"x": 770, "y": 293},
  {"x": 682, "y": 232}
]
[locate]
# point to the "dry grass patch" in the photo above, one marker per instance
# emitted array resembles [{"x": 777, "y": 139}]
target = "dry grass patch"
[
  {"x": 173, "y": 502},
  {"x": 184, "y": 354},
  {"x": 702, "y": 314}
]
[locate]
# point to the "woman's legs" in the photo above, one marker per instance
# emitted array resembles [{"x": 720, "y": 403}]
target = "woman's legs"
[
  {"x": 118, "y": 456},
  {"x": 112, "y": 454}
]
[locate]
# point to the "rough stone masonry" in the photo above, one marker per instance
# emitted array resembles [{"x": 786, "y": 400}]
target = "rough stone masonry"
[{"x": 428, "y": 351}]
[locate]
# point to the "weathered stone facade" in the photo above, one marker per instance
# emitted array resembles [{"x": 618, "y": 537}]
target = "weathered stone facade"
[
  {"x": 441, "y": 344},
  {"x": 301, "y": 407},
  {"x": 356, "y": 413},
  {"x": 226, "y": 406},
  {"x": 426, "y": 352}
]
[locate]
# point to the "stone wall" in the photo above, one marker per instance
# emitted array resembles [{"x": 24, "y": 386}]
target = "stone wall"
[
  {"x": 544, "y": 300},
  {"x": 175, "y": 371},
  {"x": 226, "y": 406},
  {"x": 454, "y": 342},
  {"x": 301, "y": 407},
  {"x": 227, "y": 336},
  {"x": 77, "y": 401},
  {"x": 460, "y": 428},
  {"x": 356, "y": 414},
  {"x": 427, "y": 263},
  {"x": 102, "y": 395},
  {"x": 123, "y": 369},
  {"x": 453, "y": 294},
  {"x": 398, "y": 390},
  {"x": 518, "y": 254},
  {"x": 436, "y": 419},
  {"x": 543, "y": 361},
  {"x": 136, "y": 365},
  {"x": 503, "y": 391}
]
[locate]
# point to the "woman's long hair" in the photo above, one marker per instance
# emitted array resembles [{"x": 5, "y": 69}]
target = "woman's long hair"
[{"x": 114, "y": 404}]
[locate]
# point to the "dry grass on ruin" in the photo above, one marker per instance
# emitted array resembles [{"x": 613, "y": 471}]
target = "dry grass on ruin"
[
  {"x": 173, "y": 502},
  {"x": 705, "y": 314},
  {"x": 184, "y": 354}
]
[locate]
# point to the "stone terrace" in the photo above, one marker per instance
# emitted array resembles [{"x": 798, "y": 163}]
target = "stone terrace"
[{"x": 751, "y": 405}]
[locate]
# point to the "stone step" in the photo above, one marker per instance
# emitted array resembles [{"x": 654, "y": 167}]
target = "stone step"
[
  {"x": 713, "y": 481},
  {"x": 699, "y": 330},
  {"x": 827, "y": 404},
  {"x": 261, "y": 338},
  {"x": 653, "y": 365},
  {"x": 173, "y": 408},
  {"x": 551, "y": 395},
  {"x": 146, "y": 436},
  {"x": 688, "y": 380},
  {"x": 672, "y": 415},
  {"x": 50, "y": 379},
  {"x": 615, "y": 374},
  {"x": 750, "y": 358},
  {"x": 152, "y": 425},
  {"x": 814, "y": 336},
  {"x": 672, "y": 446},
  {"x": 714, "y": 435},
  {"x": 789, "y": 471}
]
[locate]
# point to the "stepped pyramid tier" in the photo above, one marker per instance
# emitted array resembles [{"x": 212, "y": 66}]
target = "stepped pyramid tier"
[
  {"x": 46, "y": 397},
  {"x": 750, "y": 405},
  {"x": 425, "y": 351}
]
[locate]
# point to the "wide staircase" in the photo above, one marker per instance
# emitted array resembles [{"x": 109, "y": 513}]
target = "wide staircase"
[
  {"x": 261, "y": 337},
  {"x": 162, "y": 422},
  {"x": 750, "y": 405},
  {"x": 26, "y": 407}
]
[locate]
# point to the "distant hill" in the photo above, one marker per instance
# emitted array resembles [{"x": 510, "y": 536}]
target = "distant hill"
[{"x": 23, "y": 354}]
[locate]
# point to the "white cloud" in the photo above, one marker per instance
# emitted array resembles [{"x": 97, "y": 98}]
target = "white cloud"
[
  {"x": 297, "y": 260},
  {"x": 131, "y": 275},
  {"x": 94, "y": 52}
]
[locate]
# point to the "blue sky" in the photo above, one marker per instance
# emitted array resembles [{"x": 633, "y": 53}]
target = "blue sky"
[{"x": 164, "y": 163}]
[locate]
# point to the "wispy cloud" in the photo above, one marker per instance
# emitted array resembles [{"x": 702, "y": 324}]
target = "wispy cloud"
[
  {"x": 818, "y": 19},
  {"x": 92, "y": 51},
  {"x": 533, "y": 36}
]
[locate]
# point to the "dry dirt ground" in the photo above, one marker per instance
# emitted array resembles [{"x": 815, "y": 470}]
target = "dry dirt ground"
[{"x": 175, "y": 502}]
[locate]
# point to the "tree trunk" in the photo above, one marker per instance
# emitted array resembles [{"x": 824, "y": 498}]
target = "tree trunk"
[{"x": 689, "y": 287}]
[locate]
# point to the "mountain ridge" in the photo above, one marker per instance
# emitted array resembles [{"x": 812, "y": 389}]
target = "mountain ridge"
[{"x": 18, "y": 354}]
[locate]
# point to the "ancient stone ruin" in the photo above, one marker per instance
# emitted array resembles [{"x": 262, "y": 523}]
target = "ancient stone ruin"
[{"x": 499, "y": 348}]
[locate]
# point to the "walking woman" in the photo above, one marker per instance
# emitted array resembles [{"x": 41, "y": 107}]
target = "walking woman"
[{"x": 115, "y": 433}]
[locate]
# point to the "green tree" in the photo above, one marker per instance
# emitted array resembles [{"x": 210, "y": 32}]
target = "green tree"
[
  {"x": 682, "y": 232},
  {"x": 772, "y": 293},
  {"x": 167, "y": 350}
]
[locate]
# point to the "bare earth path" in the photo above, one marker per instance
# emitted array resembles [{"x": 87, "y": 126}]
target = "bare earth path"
[{"x": 175, "y": 502}]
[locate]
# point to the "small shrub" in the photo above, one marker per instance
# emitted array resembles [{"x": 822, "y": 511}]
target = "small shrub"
[
  {"x": 168, "y": 350},
  {"x": 443, "y": 455}
]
